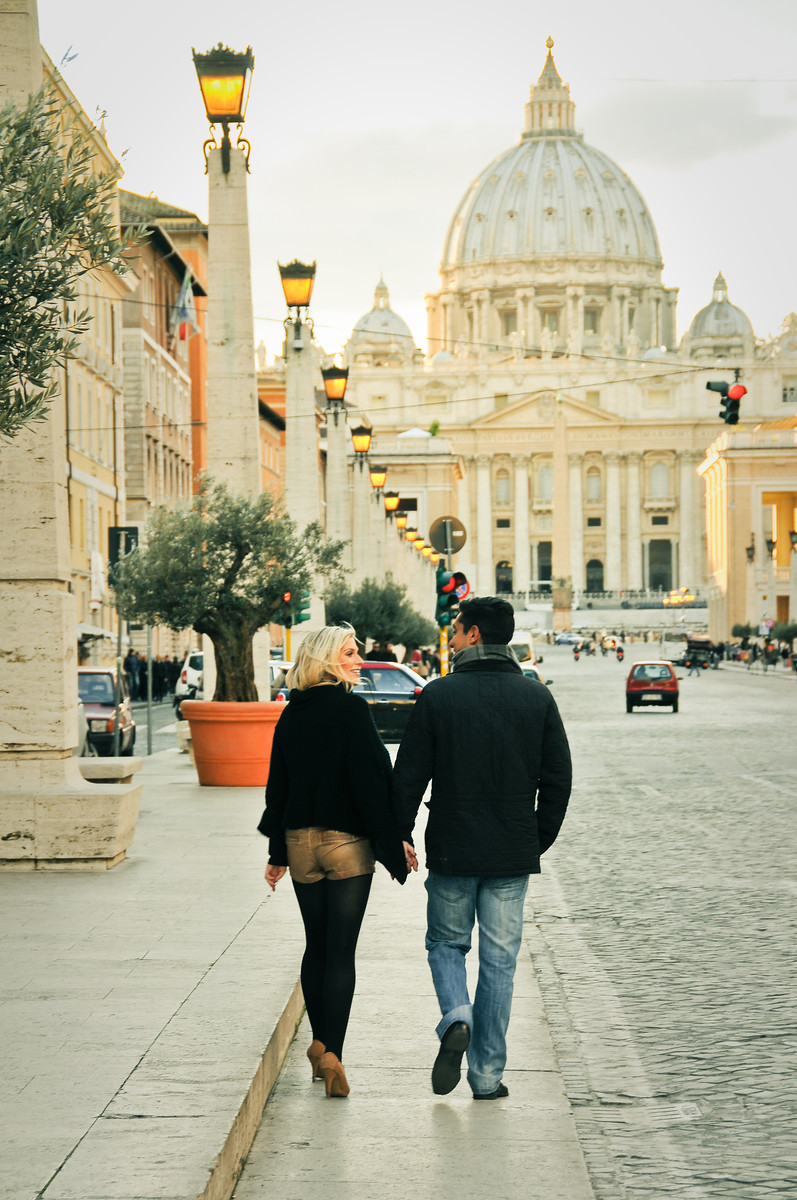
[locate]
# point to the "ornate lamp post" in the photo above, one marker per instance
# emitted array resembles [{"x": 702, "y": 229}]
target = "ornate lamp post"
[
  {"x": 361, "y": 440},
  {"x": 225, "y": 77},
  {"x": 337, "y": 479},
  {"x": 378, "y": 477},
  {"x": 401, "y": 522},
  {"x": 391, "y": 502}
]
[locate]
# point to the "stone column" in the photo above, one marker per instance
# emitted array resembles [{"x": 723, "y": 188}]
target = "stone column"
[
  {"x": 49, "y": 815},
  {"x": 561, "y": 500},
  {"x": 233, "y": 440},
  {"x": 576, "y": 523},
  {"x": 614, "y": 519},
  {"x": 337, "y": 483},
  {"x": 361, "y": 520},
  {"x": 466, "y": 561},
  {"x": 485, "y": 575},
  {"x": 633, "y": 523},
  {"x": 687, "y": 571},
  {"x": 522, "y": 559}
]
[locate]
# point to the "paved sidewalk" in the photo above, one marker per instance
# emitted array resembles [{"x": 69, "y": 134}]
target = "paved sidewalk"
[
  {"x": 145, "y": 1013},
  {"x": 393, "y": 1137}
]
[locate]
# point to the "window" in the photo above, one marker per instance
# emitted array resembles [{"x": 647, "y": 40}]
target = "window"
[
  {"x": 508, "y": 322},
  {"x": 550, "y": 319},
  {"x": 503, "y": 523},
  {"x": 501, "y": 400},
  {"x": 660, "y": 565},
  {"x": 593, "y": 522},
  {"x": 502, "y": 485},
  {"x": 659, "y": 520},
  {"x": 545, "y": 489},
  {"x": 544, "y": 563},
  {"x": 593, "y": 398},
  {"x": 594, "y": 486},
  {"x": 659, "y": 481},
  {"x": 592, "y": 320},
  {"x": 790, "y": 389}
]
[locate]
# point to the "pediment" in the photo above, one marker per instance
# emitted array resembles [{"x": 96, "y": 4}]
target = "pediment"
[{"x": 538, "y": 409}]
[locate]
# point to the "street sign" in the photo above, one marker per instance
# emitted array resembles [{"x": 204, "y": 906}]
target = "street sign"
[{"x": 447, "y": 535}]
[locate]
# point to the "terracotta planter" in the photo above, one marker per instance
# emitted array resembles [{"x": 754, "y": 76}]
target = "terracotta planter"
[{"x": 232, "y": 742}]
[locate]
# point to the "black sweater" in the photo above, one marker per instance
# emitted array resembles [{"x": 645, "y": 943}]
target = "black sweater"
[{"x": 330, "y": 769}]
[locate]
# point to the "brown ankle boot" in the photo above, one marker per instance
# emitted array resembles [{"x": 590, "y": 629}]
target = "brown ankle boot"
[
  {"x": 334, "y": 1076},
  {"x": 315, "y": 1052}
]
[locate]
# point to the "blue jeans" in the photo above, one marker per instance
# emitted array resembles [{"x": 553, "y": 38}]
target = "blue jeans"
[{"x": 454, "y": 903}]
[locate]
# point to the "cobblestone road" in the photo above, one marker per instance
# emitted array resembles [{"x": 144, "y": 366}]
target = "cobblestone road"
[{"x": 664, "y": 931}]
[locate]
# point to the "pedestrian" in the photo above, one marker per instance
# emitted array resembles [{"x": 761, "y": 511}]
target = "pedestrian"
[
  {"x": 694, "y": 666},
  {"x": 132, "y": 666},
  {"x": 492, "y": 743},
  {"x": 327, "y": 818}
]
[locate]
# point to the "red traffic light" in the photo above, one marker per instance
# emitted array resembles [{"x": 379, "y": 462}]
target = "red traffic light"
[
  {"x": 286, "y": 596},
  {"x": 736, "y": 391}
]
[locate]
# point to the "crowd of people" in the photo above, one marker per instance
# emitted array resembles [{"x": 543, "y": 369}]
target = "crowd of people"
[{"x": 165, "y": 673}]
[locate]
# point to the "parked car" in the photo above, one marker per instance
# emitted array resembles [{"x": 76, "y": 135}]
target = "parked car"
[
  {"x": 531, "y": 672},
  {"x": 96, "y": 689},
  {"x": 190, "y": 681},
  {"x": 651, "y": 683},
  {"x": 566, "y": 638},
  {"x": 84, "y": 747},
  {"x": 391, "y": 690},
  {"x": 279, "y": 669},
  {"x": 522, "y": 643}
]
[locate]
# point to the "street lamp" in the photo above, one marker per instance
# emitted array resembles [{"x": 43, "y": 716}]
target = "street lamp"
[
  {"x": 427, "y": 552},
  {"x": 361, "y": 440},
  {"x": 771, "y": 546},
  {"x": 335, "y": 380},
  {"x": 297, "y": 283},
  {"x": 378, "y": 477},
  {"x": 410, "y": 534},
  {"x": 401, "y": 522},
  {"x": 793, "y": 539},
  {"x": 419, "y": 543},
  {"x": 391, "y": 501},
  {"x": 750, "y": 550},
  {"x": 225, "y": 77}
]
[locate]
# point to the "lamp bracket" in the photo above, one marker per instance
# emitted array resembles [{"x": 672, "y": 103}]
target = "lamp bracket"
[{"x": 245, "y": 145}]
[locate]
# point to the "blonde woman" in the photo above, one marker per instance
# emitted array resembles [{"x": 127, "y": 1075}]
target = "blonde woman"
[{"x": 327, "y": 818}]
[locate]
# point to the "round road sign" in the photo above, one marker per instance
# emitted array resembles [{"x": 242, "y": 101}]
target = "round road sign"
[{"x": 445, "y": 530}]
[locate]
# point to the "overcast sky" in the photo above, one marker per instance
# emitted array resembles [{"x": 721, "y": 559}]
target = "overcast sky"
[{"x": 368, "y": 122}]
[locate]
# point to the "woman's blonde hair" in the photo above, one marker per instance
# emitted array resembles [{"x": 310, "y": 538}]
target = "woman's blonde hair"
[{"x": 318, "y": 658}]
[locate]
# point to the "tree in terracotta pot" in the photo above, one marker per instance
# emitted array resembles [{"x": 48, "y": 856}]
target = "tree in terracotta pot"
[{"x": 221, "y": 567}]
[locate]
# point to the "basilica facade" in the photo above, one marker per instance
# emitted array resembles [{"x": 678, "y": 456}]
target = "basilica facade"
[{"x": 554, "y": 386}]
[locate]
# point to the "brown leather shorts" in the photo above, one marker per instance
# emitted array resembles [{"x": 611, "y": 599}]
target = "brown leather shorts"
[{"x": 315, "y": 854}]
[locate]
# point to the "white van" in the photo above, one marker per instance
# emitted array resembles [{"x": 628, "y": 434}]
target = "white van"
[{"x": 523, "y": 645}]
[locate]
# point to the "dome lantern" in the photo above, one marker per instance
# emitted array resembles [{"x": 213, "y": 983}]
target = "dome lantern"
[{"x": 550, "y": 111}]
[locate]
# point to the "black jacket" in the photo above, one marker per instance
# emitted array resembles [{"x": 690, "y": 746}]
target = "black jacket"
[
  {"x": 329, "y": 768},
  {"x": 492, "y": 742}
]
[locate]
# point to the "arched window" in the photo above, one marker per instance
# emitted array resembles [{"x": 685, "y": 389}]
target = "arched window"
[
  {"x": 659, "y": 481},
  {"x": 502, "y": 493},
  {"x": 594, "y": 575},
  {"x": 545, "y": 491},
  {"x": 594, "y": 492},
  {"x": 503, "y": 577}
]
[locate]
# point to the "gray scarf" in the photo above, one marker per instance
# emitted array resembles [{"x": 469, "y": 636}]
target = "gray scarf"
[{"x": 472, "y": 653}]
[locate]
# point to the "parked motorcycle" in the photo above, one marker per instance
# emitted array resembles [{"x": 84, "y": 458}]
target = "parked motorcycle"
[{"x": 620, "y": 654}]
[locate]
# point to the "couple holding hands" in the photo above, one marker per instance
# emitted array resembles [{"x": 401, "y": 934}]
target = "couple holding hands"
[{"x": 493, "y": 746}]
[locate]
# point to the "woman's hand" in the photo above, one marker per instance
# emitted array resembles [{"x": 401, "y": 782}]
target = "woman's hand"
[
  {"x": 411, "y": 857},
  {"x": 274, "y": 875}
]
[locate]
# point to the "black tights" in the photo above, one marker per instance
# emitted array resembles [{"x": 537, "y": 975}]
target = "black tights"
[{"x": 332, "y": 911}]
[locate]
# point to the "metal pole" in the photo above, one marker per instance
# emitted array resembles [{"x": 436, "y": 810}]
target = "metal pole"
[
  {"x": 149, "y": 689},
  {"x": 117, "y": 688}
]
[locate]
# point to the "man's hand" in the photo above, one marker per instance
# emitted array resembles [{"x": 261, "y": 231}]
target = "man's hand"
[
  {"x": 274, "y": 875},
  {"x": 411, "y": 857}
]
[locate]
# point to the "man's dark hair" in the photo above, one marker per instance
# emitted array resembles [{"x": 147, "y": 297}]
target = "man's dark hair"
[{"x": 493, "y": 617}]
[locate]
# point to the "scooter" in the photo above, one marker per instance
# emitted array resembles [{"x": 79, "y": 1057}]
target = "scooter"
[
  {"x": 620, "y": 654},
  {"x": 575, "y": 653}
]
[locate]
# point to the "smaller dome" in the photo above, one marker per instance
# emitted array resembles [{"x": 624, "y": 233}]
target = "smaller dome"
[
  {"x": 381, "y": 323},
  {"x": 720, "y": 319}
]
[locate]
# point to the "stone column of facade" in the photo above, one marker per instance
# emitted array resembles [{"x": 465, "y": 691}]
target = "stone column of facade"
[
  {"x": 302, "y": 476},
  {"x": 465, "y": 559},
  {"x": 485, "y": 576},
  {"x": 447, "y": 307},
  {"x": 561, "y": 498},
  {"x": 522, "y": 556},
  {"x": 338, "y": 525},
  {"x": 687, "y": 569},
  {"x": 576, "y": 522},
  {"x": 49, "y": 815},
  {"x": 614, "y": 524},
  {"x": 361, "y": 524},
  {"x": 633, "y": 523}
]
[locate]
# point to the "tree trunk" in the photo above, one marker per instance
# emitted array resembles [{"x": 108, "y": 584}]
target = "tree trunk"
[{"x": 235, "y": 667}]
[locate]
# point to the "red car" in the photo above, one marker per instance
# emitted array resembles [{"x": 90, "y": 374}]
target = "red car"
[{"x": 651, "y": 683}]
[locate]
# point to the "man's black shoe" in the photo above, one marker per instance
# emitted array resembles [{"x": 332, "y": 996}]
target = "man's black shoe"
[
  {"x": 499, "y": 1093},
  {"x": 448, "y": 1064}
]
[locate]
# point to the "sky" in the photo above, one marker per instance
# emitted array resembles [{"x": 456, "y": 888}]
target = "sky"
[{"x": 369, "y": 121}]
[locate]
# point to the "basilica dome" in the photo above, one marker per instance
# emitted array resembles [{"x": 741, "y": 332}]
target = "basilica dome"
[
  {"x": 381, "y": 337},
  {"x": 551, "y": 250},
  {"x": 551, "y": 194}
]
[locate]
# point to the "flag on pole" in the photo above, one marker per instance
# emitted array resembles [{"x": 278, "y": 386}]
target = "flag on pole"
[{"x": 183, "y": 318}]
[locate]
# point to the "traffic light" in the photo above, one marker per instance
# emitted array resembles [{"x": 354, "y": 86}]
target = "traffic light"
[
  {"x": 284, "y": 614},
  {"x": 731, "y": 394},
  {"x": 446, "y": 596},
  {"x": 301, "y": 608}
]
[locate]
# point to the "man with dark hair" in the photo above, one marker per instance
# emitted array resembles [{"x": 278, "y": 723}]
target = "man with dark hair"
[{"x": 493, "y": 745}]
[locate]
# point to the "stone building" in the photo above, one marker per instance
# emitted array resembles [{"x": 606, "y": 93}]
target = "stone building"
[{"x": 576, "y": 420}]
